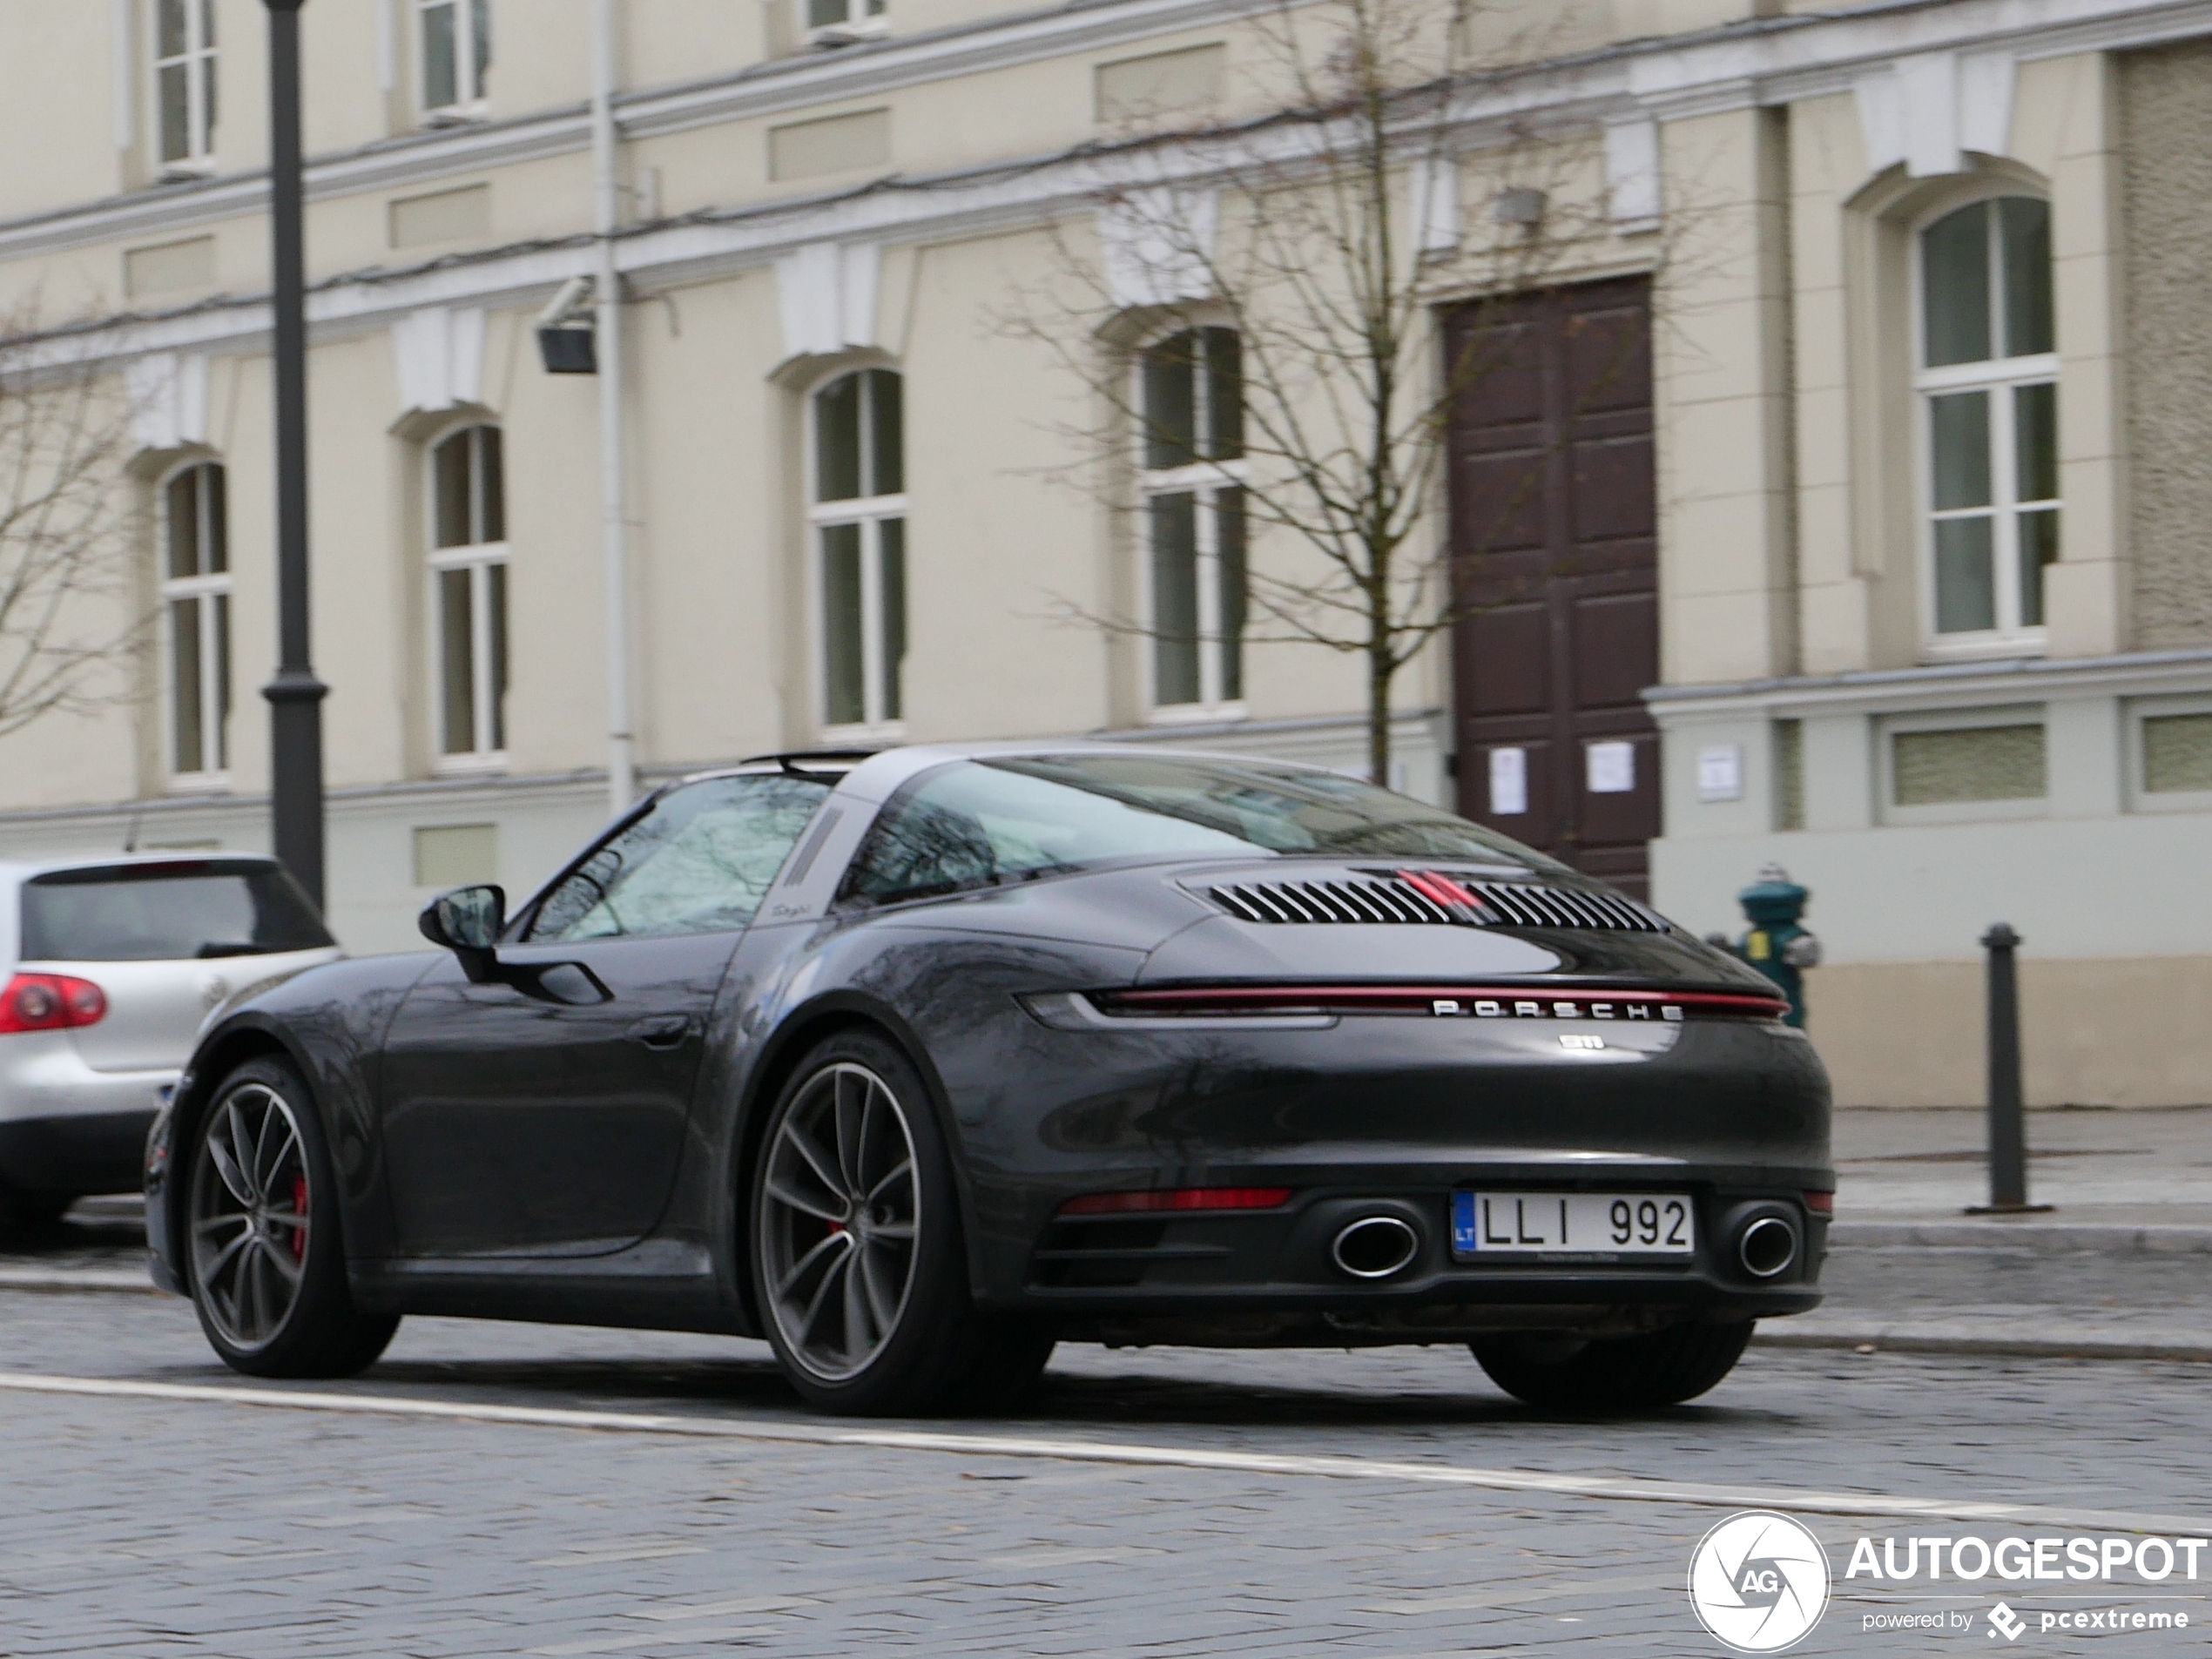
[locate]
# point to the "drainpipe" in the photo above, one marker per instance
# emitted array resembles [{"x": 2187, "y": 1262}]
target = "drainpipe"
[{"x": 622, "y": 770}]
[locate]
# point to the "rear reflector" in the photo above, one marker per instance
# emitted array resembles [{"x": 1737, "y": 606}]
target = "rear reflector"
[
  {"x": 50, "y": 1003},
  {"x": 1177, "y": 1198},
  {"x": 1821, "y": 1203}
]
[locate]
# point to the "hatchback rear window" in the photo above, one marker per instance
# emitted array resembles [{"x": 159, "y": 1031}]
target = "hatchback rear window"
[{"x": 156, "y": 913}]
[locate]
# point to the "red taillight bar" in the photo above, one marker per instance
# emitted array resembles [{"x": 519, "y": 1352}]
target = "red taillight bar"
[
  {"x": 1555, "y": 1002},
  {"x": 1182, "y": 1199},
  {"x": 1820, "y": 1203}
]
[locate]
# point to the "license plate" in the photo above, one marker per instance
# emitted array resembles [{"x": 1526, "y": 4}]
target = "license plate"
[{"x": 1576, "y": 1223}]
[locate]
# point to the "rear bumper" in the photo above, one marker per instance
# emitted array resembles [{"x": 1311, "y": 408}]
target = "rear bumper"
[
  {"x": 1269, "y": 1277},
  {"x": 83, "y": 1152},
  {"x": 67, "y": 1128}
]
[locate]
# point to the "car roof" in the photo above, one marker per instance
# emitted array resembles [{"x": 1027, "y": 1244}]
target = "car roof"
[
  {"x": 875, "y": 775},
  {"x": 20, "y": 870}
]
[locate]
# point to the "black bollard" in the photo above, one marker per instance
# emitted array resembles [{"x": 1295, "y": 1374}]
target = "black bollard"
[{"x": 2007, "y": 1109}]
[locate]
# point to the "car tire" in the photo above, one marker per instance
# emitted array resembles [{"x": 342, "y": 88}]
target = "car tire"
[
  {"x": 1614, "y": 1373},
  {"x": 264, "y": 1257},
  {"x": 859, "y": 1268}
]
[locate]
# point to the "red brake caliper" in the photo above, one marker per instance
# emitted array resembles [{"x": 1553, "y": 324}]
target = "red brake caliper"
[{"x": 300, "y": 1209}]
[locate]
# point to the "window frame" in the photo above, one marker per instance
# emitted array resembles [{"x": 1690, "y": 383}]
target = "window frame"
[
  {"x": 863, "y": 20},
  {"x": 477, "y": 559},
  {"x": 870, "y": 513},
  {"x": 2000, "y": 379},
  {"x": 1204, "y": 481},
  {"x": 2136, "y": 711},
  {"x": 203, "y": 591},
  {"x": 468, "y": 76},
  {"x": 198, "y": 62}
]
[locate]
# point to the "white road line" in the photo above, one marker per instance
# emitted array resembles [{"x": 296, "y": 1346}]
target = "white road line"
[{"x": 1629, "y": 1489}]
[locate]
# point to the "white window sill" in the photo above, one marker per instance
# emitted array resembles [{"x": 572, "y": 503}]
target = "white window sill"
[
  {"x": 186, "y": 172},
  {"x": 471, "y": 765},
  {"x": 832, "y": 36},
  {"x": 884, "y": 734},
  {"x": 197, "y": 783},
  {"x": 1985, "y": 647},
  {"x": 1197, "y": 714},
  {"x": 457, "y": 115}
]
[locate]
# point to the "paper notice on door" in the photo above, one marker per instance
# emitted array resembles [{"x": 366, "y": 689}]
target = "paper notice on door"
[
  {"x": 1508, "y": 782},
  {"x": 1611, "y": 767}
]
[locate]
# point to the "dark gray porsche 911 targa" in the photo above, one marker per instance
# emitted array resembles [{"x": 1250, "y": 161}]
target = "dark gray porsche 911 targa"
[{"x": 917, "y": 1064}]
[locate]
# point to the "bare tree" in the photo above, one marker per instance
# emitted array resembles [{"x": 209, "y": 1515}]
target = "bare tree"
[
  {"x": 71, "y": 617},
  {"x": 1320, "y": 246}
]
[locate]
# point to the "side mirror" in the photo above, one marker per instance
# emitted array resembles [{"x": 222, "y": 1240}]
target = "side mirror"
[{"x": 468, "y": 921}]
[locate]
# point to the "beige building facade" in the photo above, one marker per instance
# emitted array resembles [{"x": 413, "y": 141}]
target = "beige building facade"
[{"x": 1930, "y": 359}]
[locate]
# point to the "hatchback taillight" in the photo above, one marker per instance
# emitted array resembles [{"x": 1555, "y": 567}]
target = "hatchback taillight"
[{"x": 50, "y": 1003}]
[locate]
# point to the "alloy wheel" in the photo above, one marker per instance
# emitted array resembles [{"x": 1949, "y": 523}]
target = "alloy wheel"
[
  {"x": 839, "y": 1212},
  {"x": 249, "y": 1215}
]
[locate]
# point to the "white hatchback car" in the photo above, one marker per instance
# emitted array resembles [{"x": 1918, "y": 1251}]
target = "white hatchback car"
[{"x": 110, "y": 964}]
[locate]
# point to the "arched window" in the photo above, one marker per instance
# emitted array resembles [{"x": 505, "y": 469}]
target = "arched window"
[
  {"x": 1193, "y": 404},
  {"x": 1988, "y": 387},
  {"x": 860, "y": 526},
  {"x": 196, "y": 607},
  {"x": 469, "y": 592}
]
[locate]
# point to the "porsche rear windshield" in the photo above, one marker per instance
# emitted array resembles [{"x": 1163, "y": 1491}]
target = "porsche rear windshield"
[
  {"x": 163, "y": 913},
  {"x": 978, "y": 823}
]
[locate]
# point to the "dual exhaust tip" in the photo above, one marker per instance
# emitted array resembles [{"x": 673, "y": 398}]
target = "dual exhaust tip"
[
  {"x": 1377, "y": 1246},
  {"x": 1767, "y": 1247}
]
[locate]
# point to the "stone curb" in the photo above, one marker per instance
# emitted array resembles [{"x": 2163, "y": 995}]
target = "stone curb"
[
  {"x": 2193, "y": 1348},
  {"x": 69, "y": 1280},
  {"x": 2040, "y": 1236}
]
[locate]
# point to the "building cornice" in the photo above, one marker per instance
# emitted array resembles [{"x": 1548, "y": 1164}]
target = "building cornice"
[
  {"x": 807, "y": 81},
  {"x": 1944, "y": 685},
  {"x": 1741, "y": 66}
]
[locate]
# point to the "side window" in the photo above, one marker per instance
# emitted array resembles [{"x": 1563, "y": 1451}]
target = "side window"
[
  {"x": 456, "y": 56},
  {"x": 859, "y": 518},
  {"x": 196, "y": 604},
  {"x": 184, "y": 86},
  {"x": 699, "y": 862},
  {"x": 1193, "y": 447},
  {"x": 468, "y": 578},
  {"x": 1988, "y": 382}
]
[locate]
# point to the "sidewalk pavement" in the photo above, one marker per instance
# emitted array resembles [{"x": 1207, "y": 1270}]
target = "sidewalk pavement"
[{"x": 2120, "y": 1268}]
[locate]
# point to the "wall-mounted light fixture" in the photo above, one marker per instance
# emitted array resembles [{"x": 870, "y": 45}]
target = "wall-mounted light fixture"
[{"x": 567, "y": 345}]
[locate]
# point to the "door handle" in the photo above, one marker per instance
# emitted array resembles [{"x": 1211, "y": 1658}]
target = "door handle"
[{"x": 662, "y": 1031}]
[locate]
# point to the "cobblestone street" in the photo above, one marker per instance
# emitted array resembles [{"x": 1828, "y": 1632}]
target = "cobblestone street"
[{"x": 198, "y": 1525}]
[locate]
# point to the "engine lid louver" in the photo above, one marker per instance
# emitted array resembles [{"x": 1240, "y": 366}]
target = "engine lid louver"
[{"x": 1430, "y": 896}]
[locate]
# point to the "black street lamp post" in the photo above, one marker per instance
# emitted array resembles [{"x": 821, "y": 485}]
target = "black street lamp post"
[{"x": 295, "y": 695}]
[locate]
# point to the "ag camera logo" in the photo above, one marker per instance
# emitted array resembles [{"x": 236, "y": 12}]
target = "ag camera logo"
[{"x": 1758, "y": 1581}]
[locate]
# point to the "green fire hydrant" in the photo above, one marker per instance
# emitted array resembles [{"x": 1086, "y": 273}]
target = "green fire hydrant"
[{"x": 1779, "y": 945}]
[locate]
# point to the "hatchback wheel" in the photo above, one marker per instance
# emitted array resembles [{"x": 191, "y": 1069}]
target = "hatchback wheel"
[
  {"x": 263, "y": 1251},
  {"x": 859, "y": 1268},
  {"x": 1614, "y": 1373}
]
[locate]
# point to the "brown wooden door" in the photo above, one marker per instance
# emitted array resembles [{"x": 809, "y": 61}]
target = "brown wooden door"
[{"x": 1553, "y": 517}]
